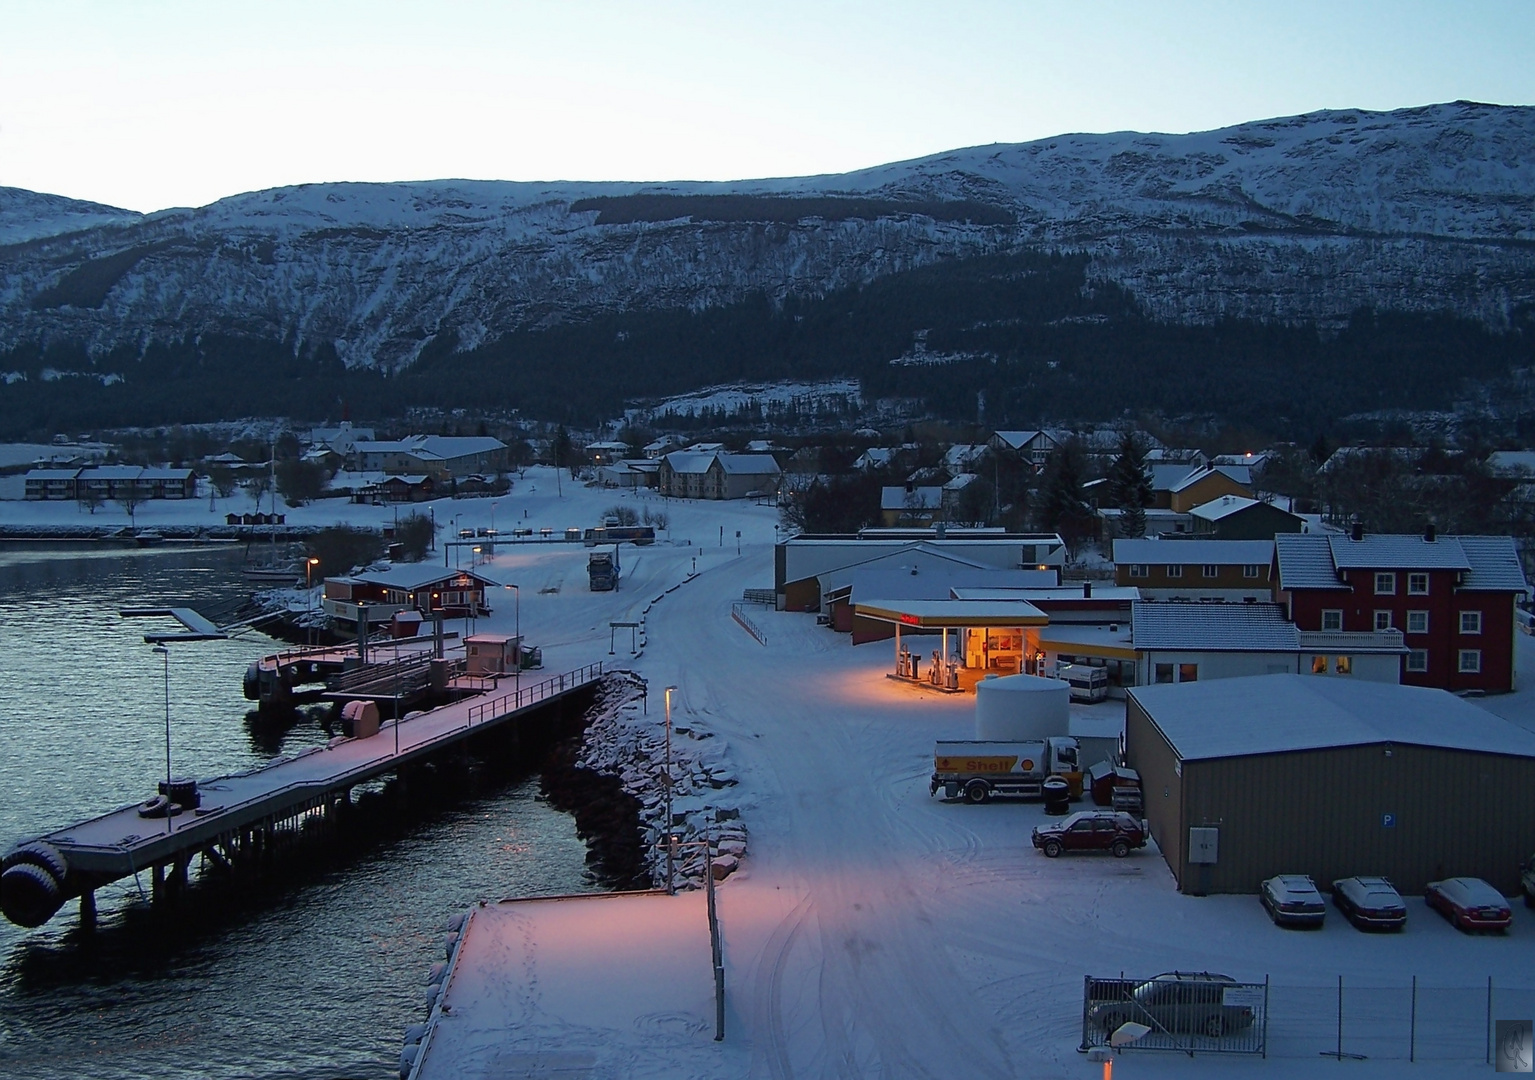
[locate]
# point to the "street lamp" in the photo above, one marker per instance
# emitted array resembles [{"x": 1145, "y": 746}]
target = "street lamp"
[
  {"x": 309, "y": 565},
  {"x": 671, "y": 837},
  {"x": 517, "y": 671},
  {"x": 165, "y": 655}
]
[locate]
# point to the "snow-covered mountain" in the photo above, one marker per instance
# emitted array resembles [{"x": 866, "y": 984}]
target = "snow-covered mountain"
[{"x": 1300, "y": 218}]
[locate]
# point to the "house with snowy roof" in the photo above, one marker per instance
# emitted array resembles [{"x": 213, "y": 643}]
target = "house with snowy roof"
[
  {"x": 441, "y": 456},
  {"x": 1235, "y": 570},
  {"x": 1452, "y": 597},
  {"x": 717, "y": 474},
  {"x": 1237, "y": 517}
]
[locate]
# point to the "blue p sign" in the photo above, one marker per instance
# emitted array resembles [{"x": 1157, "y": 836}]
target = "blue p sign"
[{"x": 1388, "y": 821}]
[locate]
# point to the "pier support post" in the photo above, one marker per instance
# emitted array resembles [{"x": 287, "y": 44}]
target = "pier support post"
[
  {"x": 88, "y": 909},
  {"x": 157, "y": 884}
]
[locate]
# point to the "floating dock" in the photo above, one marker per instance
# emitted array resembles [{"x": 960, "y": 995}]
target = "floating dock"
[{"x": 239, "y": 816}]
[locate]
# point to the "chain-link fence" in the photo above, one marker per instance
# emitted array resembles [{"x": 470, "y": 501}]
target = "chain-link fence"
[
  {"x": 1410, "y": 1021},
  {"x": 1183, "y": 1011}
]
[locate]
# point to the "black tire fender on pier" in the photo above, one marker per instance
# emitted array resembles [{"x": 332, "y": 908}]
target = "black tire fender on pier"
[
  {"x": 29, "y": 894},
  {"x": 252, "y": 686},
  {"x": 157, "y": 807},
  {"x": 38, "y": 853},
  {"x": 977, "y": 791}
]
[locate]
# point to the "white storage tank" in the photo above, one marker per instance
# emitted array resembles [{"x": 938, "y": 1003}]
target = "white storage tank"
[{"x": 1021, "y": 708}]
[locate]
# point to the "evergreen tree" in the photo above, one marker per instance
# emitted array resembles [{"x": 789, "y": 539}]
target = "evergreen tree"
[
  {"x": 1129, "y": 486},
  {"x": 1062, "y": 508}
]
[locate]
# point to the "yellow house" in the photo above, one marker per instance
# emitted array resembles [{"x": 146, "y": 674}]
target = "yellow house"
[{"x": 1204, "y": 485}]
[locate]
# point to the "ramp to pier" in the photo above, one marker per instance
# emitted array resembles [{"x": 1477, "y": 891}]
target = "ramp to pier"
[{"x": 602, "y": 985}]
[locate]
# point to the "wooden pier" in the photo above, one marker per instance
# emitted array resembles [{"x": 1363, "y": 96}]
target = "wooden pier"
[{"x": 240, "y": 816}]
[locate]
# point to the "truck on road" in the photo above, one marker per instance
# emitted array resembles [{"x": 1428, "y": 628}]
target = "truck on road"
[
  {"x": 978, "y": 770},
  {"x": 602, "y": 570}
]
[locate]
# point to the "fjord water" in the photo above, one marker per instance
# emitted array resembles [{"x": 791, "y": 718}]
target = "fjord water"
[{"x": 317, "y": 977}]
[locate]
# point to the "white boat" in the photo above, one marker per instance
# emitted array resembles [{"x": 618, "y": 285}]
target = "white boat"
[{"x": 288, "y": 574}]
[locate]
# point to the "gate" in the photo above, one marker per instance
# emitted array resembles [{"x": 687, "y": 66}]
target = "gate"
[{"x": 1187, "y": 1011}]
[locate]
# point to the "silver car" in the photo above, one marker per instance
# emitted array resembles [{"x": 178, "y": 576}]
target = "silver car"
[
  {"x": 1292, "y": 900},
  {"x": 1370, "y": 903}
]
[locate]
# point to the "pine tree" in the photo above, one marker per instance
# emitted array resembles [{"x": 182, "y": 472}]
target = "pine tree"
[{"x": 1129, "y": 487}]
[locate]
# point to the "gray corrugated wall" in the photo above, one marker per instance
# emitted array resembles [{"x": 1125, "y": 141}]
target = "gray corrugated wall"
[
  {"x": 1148, "y": 752},
  {"x": 1319, "y": 812}
]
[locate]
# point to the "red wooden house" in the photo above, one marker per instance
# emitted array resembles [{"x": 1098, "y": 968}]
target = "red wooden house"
[{"x": 1452, "y": 597}]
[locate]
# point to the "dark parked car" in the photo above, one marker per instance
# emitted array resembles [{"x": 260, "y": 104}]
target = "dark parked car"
[
  {"x": 1091, "y": 830},
  {"x": 1179, "y": 1002},
  {"x": 1527, "y": 880},
  {"x": 1370, "y": 903},
  {"x": 1469, "y": 903},
  {"x": 1292, "y": 900}
]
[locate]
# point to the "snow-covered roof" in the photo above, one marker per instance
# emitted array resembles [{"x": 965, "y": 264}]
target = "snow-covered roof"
[
  {"x": 952, "y": 613},
  {"x": 963, "y": 455},
  {"x": 413, "y": 479},
  {"x": 1305, "y": 562},
  {"x": 1494, "y": 563},
  {"x": 688, "y": 462},
  {"x": 1223, "y": 507},
  {"x": 940, "y": 577},
  {"x": 749, "y": 464},
  {"x": 111, "y": 472},
  {"x": 1164, "y": 477},
  {"x": 1193, "y": 552},
  {"x": 931, "y": 563},
  {"x": 414, "y": 575},
  {"x": 1396, "y": 551},
  {"x": 918, "y": 498},
  {"x": 1199, "y": 627},
  {"x": 1039, "y": 594},
  {"x": 761, "y": 446},
  {"x": 1240, "y": 474},
  {"x": 1273, "y": 714},
  {"x": 960, "y": 482}
]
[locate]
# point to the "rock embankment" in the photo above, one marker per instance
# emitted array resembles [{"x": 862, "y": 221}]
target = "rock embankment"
[{"x": 618, "y": 779}]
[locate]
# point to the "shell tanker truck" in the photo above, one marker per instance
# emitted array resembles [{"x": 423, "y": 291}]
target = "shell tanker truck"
[{"x": 979, "y": 770}]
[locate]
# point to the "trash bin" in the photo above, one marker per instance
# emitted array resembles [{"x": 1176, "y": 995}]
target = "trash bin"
[{"x": 1057, "y": 794}]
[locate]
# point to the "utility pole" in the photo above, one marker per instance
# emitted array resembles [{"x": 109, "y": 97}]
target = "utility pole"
[{"x": 671, "y": 837}]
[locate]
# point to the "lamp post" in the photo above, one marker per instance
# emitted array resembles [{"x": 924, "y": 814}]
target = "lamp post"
[
  {"x": 309, "y": 565},
  {"x": 671, "y": 837},
  {"x": 165, "y": 655},
  {"x": 456, "y": 537},
  {"x": 517, "y": 671}
]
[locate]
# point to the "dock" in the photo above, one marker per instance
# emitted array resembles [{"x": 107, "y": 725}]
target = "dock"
[
  {"x": 615, "y": 984},
  {"x": 239, "y": 815}
]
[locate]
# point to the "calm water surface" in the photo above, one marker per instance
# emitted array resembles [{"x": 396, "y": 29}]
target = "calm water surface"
[{"x": 317, "y": 978}]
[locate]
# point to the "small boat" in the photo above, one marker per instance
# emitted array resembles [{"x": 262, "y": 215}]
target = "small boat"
[{"x": 287, "y": 574}]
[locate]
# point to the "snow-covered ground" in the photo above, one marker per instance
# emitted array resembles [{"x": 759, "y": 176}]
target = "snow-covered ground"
[{"x": 876, "y": 931}]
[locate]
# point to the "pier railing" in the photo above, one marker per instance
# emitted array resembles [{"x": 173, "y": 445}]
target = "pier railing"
[{"x": 496, "y": 708}]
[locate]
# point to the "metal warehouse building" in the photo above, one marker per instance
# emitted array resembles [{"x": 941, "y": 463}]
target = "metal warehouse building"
[{"x": 1250, "y": 777}]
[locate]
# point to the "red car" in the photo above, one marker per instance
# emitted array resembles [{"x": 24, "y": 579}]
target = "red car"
[
  {"x": 1091, "y": 830},
  {"x": 1469, "y": 903}
]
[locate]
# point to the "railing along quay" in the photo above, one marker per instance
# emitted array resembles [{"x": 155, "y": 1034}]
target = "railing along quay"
[{"x": 257, "y": 805}]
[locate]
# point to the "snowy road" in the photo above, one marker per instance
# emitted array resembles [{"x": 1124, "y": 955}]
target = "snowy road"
[{"x": 875, "y": 932}]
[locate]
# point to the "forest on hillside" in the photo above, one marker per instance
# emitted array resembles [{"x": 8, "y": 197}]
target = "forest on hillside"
[{"x": 1008, "y": 340}]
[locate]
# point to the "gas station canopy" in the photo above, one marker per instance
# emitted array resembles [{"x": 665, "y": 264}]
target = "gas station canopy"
[{"x": 952, "y": 614}]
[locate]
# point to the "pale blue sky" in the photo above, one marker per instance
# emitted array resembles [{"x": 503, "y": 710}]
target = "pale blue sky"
[{"x": 154, "y": 104}]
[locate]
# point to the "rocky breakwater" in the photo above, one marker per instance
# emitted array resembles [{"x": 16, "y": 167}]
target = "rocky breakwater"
[{"x": 622, "y": 765}]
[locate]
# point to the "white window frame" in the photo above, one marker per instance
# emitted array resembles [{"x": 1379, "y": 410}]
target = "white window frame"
[
  {"x": 1385, "y": 578},
  {"x": 1383, "y": 619},
  {"x": 1175, "y": 570},
  {"x": 1251, "y": 570},
  {"x": 1139, "y": 570},
  {"x": 1469, "y": 662},
  {"x": 1337, "y": 616},
  {"x": 1412, "y": 584},
  {"x": 1421, "y": 619},
  {"x": 1470, "y": 622},
  {"x": 1417, "y": 661},
  {"x": 1210, "y": 570}
]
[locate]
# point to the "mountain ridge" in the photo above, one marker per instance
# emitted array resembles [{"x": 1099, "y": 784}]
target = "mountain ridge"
[{"x": 1301, "y": 220}]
